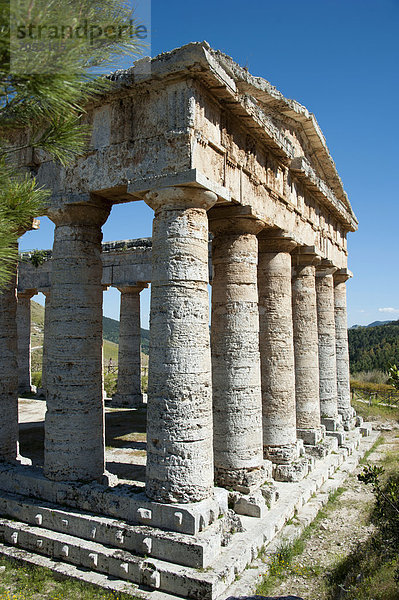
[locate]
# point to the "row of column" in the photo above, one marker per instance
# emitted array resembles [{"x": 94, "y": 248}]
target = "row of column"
[
  {"x": 276, "y": 349},
  {"x": 129, "y": 392}
]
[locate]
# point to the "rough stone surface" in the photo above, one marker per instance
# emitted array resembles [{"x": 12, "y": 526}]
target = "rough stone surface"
[
  {"x": 8, "y": 373},
  {"x": 179, "y": 422},
  {"x": 129, "y": 353},
  {"x": 23, "y": 329},
  {"x": 277, "y": 348},
  {"x": 306, "y": 341},
  {"x": 326, "y": 333},
  {"x": 74, "y": 427},
  {"x": 237, "y": 400},
  {"x": 342, "y": 351}
]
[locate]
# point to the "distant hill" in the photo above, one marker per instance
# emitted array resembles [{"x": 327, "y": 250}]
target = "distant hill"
[
  {"x": 374, "y": 346},
  {"x": 373, "y": 324},
  {"x": 110, "y": 332}
]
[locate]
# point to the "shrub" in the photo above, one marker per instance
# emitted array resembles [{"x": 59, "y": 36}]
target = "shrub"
[
  {"x": 37, "y": 378},
  {"x": 110, "y": 384}
]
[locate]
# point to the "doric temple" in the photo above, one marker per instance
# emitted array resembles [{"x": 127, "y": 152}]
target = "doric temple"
[{"x": 242, "y": 408}]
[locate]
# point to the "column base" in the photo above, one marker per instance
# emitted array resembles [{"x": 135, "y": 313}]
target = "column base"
[
  {"x": 126, "y": 401},
  {"x": 258, "y": 501},
  {"x": 311, "y": 437},
  {"x": 348, "y": 417},
  {"x": 324, "y": 447},
  {"x": 332, "y": 423},
  {"x": 18, "y": 460},
  {"x": 294, "y": 471},
  {"x": 244, "y": 481},
  {"x": 281, "y": 454},
  {"x": 27, "y": 391}
]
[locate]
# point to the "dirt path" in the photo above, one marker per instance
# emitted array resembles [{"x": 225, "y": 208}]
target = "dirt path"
[{"x": 336, "y": 536}]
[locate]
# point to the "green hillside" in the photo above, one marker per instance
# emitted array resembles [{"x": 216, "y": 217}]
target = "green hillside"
[
  {"x": 374, "y": 347},
  {"x": 110, "y": 334}
]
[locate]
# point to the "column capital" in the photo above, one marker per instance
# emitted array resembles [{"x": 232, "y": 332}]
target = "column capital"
[
  {"x": 276, "y": 240},
  {"x": 93, "y": 212},
  {"x": 174, "y": 197},
  {"x": 342, "y": 275},
  {"x": 305, "y": 256},
  {"x": 26, "y": 293},
  {"x": 134, "y": 288},
  {"x": 234, "y": 220},
  {"x": 325, "y": 267}
]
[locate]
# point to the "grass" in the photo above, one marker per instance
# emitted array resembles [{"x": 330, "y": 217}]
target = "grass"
[
  {"x": 281, "y": 564},
  {"x": 26, "y": 582},
  {"x": 375, "y": 411}
]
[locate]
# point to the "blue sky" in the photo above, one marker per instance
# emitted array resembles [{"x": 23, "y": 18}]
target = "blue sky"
[{"x": 338, "y": 58}]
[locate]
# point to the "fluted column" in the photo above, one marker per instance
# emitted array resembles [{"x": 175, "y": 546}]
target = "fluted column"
[
  {"x": 277, "y": 349},
  {"x": 23, "y": 329},
  {"x": 74, "y": 426},
  {"x": 326, "y": 333},
  {"x": 342, "y": 351},
  {"x": 179, "y": 408},
  {"x": 129, "y": 392},
  {"x": 306, "y": 345},
  {"x": 237, "y": 400}
]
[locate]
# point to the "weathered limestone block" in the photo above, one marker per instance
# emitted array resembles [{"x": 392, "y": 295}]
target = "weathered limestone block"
[
  {"x": 277, "y": 347},
  {"x": 326, "y": 333},
  {"x": 342, "y": 351},
  {"x": 47, "y": 323},
  {"x": 23, "y": 329},
  {"x": 179, "y": 423},
  {"x": 74, "y": 425},
  {"x": 306, "y": 345},
  {"x": 237, "y": 400},
  {"x": 129, "y": 354},
  {"x": 8, "y": 373}
]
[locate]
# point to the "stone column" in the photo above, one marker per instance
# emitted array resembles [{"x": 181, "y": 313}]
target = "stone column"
[
  {"x": 47, "y": 321},
  {"x": 237, "y": 400},
  {"x": 280, "y": 443},
  {"x": 179, "y": 408},
  {"x": 74, "y": 426},
  {"x": 129, "y": 355},
  {"x": 8, "y": 373},
  {"x": 23, "y": 328},
  {"x": 327, "y": 353},
  {"x": 304, "y": 311},
  {"x": 341, "y": 333}
]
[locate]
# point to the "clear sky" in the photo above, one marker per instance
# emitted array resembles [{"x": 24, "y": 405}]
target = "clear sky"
[{"x": 340, "y": 59}]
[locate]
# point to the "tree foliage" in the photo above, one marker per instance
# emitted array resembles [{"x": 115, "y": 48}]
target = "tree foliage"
[
  {"x": 374, "y": 347},
  {"x": 49, "y": 52}
]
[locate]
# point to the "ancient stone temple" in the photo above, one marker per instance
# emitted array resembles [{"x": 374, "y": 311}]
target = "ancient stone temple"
[{"x": 240, "y": 409}]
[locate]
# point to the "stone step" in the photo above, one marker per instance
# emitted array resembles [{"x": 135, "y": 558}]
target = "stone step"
[
  {"x": 366, "y": 429},
  {"x": 116, "y": 502},
  {"x": 196, "y": 552},
  {"x": 154, "y": 573}
]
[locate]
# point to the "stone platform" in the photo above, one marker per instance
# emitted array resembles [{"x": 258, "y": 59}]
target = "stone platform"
[{"x": 148, "y": 558}]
